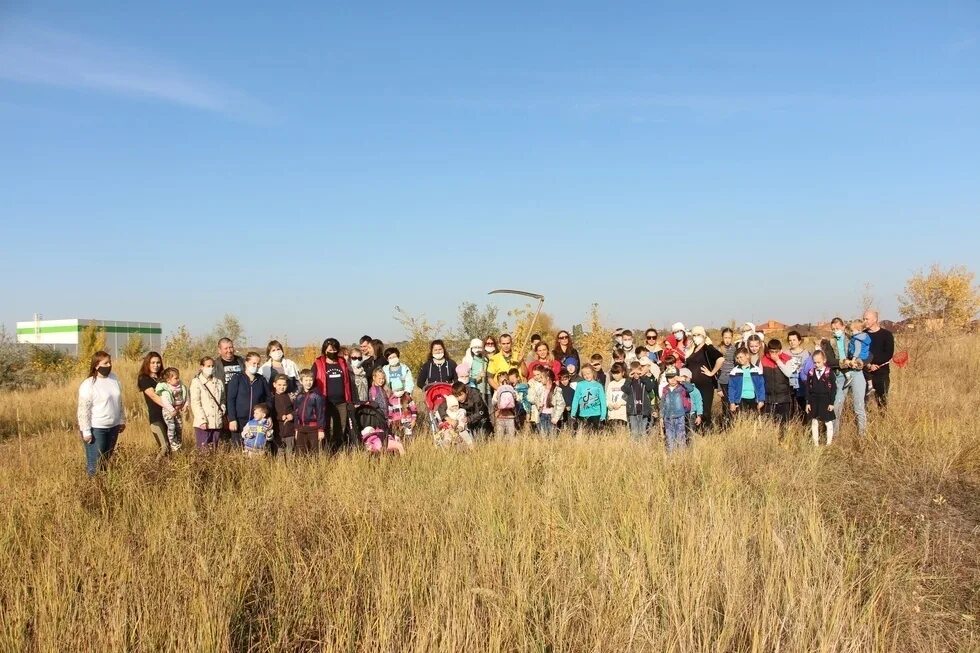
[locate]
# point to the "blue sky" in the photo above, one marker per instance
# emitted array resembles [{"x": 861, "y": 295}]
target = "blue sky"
[{"x": 311, "y": 165}]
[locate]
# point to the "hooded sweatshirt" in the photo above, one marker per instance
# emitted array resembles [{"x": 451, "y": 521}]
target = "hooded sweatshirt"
[{"x": 433, "y": 371}]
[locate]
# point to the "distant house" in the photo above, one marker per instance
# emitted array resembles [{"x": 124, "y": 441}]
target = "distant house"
[
  {"x": 771, "y": 325},
  {"x": 803, "y": 329}
]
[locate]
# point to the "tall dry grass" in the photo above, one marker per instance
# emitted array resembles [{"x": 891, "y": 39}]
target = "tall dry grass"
[{"x": 600, "y": 544}]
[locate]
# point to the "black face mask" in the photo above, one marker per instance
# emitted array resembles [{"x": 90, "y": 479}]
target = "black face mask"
[
  {"x": 330, "y": 354},
  {"x": 104, "y": 371}
]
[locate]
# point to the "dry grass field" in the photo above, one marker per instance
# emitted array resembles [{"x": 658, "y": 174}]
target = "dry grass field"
[{"x": 596, "y": 544}]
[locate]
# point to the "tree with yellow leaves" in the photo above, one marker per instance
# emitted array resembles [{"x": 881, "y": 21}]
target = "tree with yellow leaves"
[
  {"x": 598, "y": 339},
  {"x": 90, "y": 340},
  {"x": 946, "y": 295},
  {"x": 544, "y": 326}
]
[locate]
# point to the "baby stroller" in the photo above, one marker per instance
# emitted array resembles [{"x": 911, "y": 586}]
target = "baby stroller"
[
  {"x": 368, "y": 415},
  {"x": 435, "y": 396},
  {"x": 371, "y": 423}
]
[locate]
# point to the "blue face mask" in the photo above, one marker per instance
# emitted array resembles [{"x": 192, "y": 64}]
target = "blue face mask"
[{"x": 838, "y": 333}]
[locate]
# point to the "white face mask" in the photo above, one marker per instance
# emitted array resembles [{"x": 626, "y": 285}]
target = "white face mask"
[
  {"x": 276, "y": 355},
  {"x": 477, "y": 352},
  {"x": 490, "y": 349},
  {"x": 206, "y": 372},
  {"x": 627, "y": 344},
  {"x": 679, "y": 335},
  {"x": 438, "y": 356},
  {"x": 356, "y": 363},
  {"x": 252, "y": 369},
  {"x": 698, "y": 340},
  {"x": 838, "y": 332},
  {"x": 393, "y": 361}
]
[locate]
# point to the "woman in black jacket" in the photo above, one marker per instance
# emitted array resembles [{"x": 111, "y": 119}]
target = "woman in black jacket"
[{"x": 437, "y": 368}]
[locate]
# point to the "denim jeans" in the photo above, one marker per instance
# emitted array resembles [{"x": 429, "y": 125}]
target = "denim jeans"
[
  {"x": 99, "y": 450},
  {"x": 638, "y": 426},
  {"x": 545, "y": 427},
  {"x": 675, "y": 429},
  {"x": 857, "y": 389}
]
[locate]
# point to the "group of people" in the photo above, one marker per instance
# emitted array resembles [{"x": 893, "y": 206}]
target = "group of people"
[{"x": 364, "y": 396}]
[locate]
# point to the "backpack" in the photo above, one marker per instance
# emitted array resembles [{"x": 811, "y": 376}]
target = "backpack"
[
  {"x": 686, "y": 399},
  {"x": 507, "y": 400}
]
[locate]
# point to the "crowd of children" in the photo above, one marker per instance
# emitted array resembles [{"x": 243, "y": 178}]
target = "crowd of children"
[{"x": 365, "y": 396}]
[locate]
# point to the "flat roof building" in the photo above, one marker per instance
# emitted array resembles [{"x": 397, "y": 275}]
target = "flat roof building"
[{"x": 63, "y": 334}]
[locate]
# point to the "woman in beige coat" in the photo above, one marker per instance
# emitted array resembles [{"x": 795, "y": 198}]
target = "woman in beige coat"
[{"x": 207, "y": 405}]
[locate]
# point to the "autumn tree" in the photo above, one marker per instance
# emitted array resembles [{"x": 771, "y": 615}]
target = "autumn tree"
[
  {"x": 522, "y": 331},
  {"x": 474, "y": 323},
  {"x": 597, "y": 339},
  {"x": 947, "y": 295},
  {"x": 135, "y": 348},
  {"x": 420, "y": 333},
  {"x": 179, "y": 347},
  {"x": 90, "y": 340}
]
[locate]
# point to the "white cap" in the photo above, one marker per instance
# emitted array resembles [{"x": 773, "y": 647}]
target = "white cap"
[{"x": 678, "y": 326}]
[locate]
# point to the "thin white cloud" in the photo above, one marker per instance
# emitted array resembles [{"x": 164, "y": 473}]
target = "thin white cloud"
[{"x": 34, "y": 55}]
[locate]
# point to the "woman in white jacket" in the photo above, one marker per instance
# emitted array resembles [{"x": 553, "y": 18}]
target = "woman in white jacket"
[
  {"x": 207, "y": 405},
  {"x": 277, "y": 364},
  {"x": 101, "y": 417}
]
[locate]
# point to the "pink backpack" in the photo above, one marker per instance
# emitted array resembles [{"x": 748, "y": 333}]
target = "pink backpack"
[{"x": 507, "y": 400}]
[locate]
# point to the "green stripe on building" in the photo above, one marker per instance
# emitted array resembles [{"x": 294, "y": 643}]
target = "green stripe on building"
[{"x": 72, "y": 328}]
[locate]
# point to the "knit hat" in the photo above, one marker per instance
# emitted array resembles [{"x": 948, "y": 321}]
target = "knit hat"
[
  {"x": 452, "y": 403},
  {"x": 571, "y": 360},
  {"x": 686, "y": 373},
  {"x": 677, "y": 326},
  {"x": 463, "y": 372},
  {"x": 699, "y": 331},
  {"x": 476, "y": 343}
]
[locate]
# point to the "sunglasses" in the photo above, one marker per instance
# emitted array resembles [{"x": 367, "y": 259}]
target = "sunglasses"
[
  {"x": 596, "y": 364},
  {"x": 563, "y": 337},
  {"x": 651, "y": 337},
  {"x": 355, "y": 358}
]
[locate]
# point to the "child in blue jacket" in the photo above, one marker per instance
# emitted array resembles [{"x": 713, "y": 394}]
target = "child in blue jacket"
[
  {"x": 675, "y": 404},
  {"x": 746, "y": 385}
]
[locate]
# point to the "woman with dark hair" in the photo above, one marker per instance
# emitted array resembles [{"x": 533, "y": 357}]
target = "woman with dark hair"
[
  {"x": 333, "y": 378},
  {"x": 147, "y": 380},
  {"x": 564, "y": 349},
  {"x": 276, "y": 364},
  {"x": 437, "y": 368},
  {"x": 100, "y": 412}
]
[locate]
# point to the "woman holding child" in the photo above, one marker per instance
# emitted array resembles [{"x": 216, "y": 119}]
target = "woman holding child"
[{"x": 147, "y": 380}]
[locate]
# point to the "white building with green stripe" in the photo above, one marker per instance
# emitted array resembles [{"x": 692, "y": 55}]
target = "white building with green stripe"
[{"x": 63, "y": 334}]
